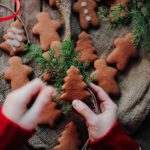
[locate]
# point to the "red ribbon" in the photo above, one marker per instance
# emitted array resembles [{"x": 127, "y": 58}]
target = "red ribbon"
[{"x": 13, "y": 15}]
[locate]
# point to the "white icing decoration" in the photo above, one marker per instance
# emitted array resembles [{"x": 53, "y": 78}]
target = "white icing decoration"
[
  {"x": 13, "y": 43},
  {"x": 88, "y": 18},
  {"x": 19, "y": 38},
  {"x": 86, "y": 11},
  {"x": 14, "y": 38},
  {"x": 15, "y": 30},
  {"x": 84, "y": 4}
]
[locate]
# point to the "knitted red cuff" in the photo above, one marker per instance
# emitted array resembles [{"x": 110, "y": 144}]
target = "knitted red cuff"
[
  {"x": 12, "y": 136},
  {"x": 115, "y": 139}
]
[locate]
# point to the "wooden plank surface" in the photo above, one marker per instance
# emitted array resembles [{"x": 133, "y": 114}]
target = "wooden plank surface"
[
  {"x": 29, "y": 10},
  {"x": 4, "y": 26}
]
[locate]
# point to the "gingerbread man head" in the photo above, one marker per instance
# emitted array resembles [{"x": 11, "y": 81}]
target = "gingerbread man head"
[{"x": 17, "y": 73}]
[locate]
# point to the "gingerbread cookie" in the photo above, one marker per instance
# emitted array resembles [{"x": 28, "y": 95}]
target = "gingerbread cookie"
[
  {"x": 105, "y": 76},
  {"x": 55, "y": 45},
  {"x": 87, "y": 13},
  {"x": 51, "y": 2},
  {"x": 17, "y": 73},
  {"x": 74, "y": 86},
  {"x": 47, "y": 30},
  {"x": 85, "y": 48},
  {"x": 69, "y": 139},
  {"x": 123, "y": 52},
  {"x": 115, "y": 3},
  {"x": 49, "y": 115},
  {"x": 14, "y": 39}
]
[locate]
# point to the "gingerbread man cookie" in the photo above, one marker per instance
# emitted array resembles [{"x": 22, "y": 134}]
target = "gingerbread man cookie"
[
  {"x": 47, "y": 30},
  {"x": 86, "y": 48},
  {"x": 74, "y": 86},
  {"x": 51, "y": 2},
  {"x": 70, "y": 132},
  {"x": 17, "y": 73},
  {"x": 14, "y": 39},
  {"x": 87, "y": 13},
  {"x": 115, "y": 3},
  {"x": 49, "y": 115},
  {"x": 55, "y": 45},
  {"x": 123, "y": 52},
  {"x": 120, "y": 2},
  {"x": 105, "y": 76}
]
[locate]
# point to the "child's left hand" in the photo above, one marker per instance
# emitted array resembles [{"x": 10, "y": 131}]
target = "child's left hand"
[{"x": 15, "y": 106}]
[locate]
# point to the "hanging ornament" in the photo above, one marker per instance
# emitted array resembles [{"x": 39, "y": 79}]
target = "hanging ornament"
[{"x": 14, "y": 15}]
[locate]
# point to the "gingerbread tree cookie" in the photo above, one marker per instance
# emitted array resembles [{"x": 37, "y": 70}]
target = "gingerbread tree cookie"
[
  {"x": 47, "y": 30},
  {"x": 74, "y": 87},
  {"x": 49, "y": 115},
  {"x": 85, "y": 48},
  {"x": 69, "y": 139},
  {"x": 105, "y": 76},
  {"x": 14, "y": 39},
  {"x": 17, "y": 73},
  {"x": 123, "y": 3},
  {"x": 87, "y": 13},
  {"x": 123, "y": 52}
]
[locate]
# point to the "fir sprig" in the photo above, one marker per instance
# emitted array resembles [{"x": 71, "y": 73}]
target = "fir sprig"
[
  {"x": 58, "y": 66},
  {"x": 139, "y": 12}
]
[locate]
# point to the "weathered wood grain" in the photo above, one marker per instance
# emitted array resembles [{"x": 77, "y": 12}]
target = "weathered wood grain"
[
  {"x": 4, "y": 86},
  {"x": 29, "y": 11},
  {"x": 4, "y": 26}
]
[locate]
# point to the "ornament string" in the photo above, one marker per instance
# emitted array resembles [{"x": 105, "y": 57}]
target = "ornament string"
[{"x": 15, "y": 15}]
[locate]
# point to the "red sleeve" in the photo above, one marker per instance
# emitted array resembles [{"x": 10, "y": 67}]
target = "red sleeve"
[
  {"x": 12, "y": 136},
  {"x": 115, "y": 139}
]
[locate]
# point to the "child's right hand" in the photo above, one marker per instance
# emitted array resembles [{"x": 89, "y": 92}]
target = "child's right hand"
[
  {"x": 15, "y": 106},
  {"x": 98, "y": 124}
]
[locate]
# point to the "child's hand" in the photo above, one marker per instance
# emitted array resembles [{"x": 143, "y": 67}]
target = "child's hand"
[
  {"x": 98, "y": 124},
  {"x": 15, "y": 106}
]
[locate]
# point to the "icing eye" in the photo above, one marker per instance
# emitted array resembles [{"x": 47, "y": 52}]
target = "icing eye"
[{"x": 84, "y": 4}]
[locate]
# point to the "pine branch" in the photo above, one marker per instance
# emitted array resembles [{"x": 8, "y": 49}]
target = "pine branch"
[
  {"x": 139, "y": 13},
  {"x": 58, "y": 66}
]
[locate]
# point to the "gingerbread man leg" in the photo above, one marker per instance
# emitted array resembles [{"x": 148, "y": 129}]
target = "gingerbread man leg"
[
  {"x": 83, "y": 21},
  {"x": 95, "y": 20}
]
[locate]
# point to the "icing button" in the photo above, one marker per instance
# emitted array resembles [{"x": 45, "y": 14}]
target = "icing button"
[
  {"x": 86, "y": 11},
  {"x": 88, "y": 18}
]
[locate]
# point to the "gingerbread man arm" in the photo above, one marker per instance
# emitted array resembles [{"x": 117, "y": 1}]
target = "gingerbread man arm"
[
  {"x": 27, "y": 69},
  {"x": 118, "y": 41},
  {"x": 93, "y": 4},
  {"x": 52, "y": 2},
  {"x": 77, "y": 6},
  {"x": 36, "y": 29},
  {"x": 56, "y": 23},
  {"x": 7, "y": 74},
  {"x": 112, "y": 71}
]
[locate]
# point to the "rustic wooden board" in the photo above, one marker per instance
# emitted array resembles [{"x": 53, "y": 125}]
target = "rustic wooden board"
[
  {"x": 4, "y": 27},
  {"x": 29, "y": 10}
]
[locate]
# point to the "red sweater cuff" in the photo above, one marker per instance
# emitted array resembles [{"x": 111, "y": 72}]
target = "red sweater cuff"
[
  {"x": 12, "y": 136},
  {"x": 115, "y": 139}
]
